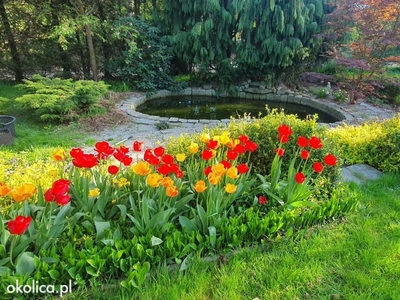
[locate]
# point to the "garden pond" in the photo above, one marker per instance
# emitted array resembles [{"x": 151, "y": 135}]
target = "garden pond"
[{"x": 213, "y": 108}]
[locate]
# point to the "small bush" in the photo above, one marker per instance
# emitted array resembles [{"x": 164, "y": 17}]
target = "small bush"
[
  {"x": 375, "y": 143},
  {"x": 340, "y": 96},
  {"x": 319, "y": 92},
  {"x": 62, "y": 100}
]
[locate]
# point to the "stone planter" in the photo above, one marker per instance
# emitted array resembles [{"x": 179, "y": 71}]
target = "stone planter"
[{"x": 7, "y": 130}]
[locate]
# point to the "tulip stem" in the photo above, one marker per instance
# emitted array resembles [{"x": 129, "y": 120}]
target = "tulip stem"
[{"x": 12, "y": 248}]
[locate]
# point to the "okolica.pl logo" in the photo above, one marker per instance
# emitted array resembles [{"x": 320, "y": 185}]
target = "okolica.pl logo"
[{"x": 36, "y": 288}]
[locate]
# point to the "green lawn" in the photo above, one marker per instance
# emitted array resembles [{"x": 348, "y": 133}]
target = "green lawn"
[
  {"x": 31, "y": 134},
  {"x": 354, "y": 258}
]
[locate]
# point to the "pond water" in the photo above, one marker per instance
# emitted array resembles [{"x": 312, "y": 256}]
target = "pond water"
[{"x": 212, "y": 108}]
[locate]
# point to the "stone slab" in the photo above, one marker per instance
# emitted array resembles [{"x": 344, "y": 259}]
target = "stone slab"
[{"x": 359, "y": 173}]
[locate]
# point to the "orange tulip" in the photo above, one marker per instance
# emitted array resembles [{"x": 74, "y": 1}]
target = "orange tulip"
[
  {"x": 59, "y": 155},
  {"x": 200, "y": 186},
  {"x": 172, "y": 191},
  {"x": 218, "y": 169},
  {"x": 167, "y": 181},
  {"x": 23, "y": 192},
  {"x": 214, "y": 178},
  {"x": 4, "y": 189},
  {"x": 233, "y": 143}
]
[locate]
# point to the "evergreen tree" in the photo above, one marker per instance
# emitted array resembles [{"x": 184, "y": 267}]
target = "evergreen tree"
[{"x": 255, "y": 37}]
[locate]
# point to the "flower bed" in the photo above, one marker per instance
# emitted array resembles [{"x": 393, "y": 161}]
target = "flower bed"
[{"x": 110, "y": 214}]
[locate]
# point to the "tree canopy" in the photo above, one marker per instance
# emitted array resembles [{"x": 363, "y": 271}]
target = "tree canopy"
[{"x": 259, "y": 39}]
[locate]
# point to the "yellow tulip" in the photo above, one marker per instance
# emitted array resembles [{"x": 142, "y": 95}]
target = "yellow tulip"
[
  {"x": 214, "y": 178},
  {"x": 230, "y": 188},
  {"x": 232, "y": 172},
  {"x": 23, "y": 192},
  {"x": 204, "y": 137},
  {"x": 94, "y": 193},
  {"x": 172, "y": 191},
  {"x": 141, "y": 168},
  {"x": 224, "y": 138},
  {"x": 153, "y": 180},
  {"x": 121, "y": 182},
  {"x": 59, "y": 154},
  {"x": 181, "y": 157},
  {"x": 194, "y": 148},
  {"x": 200, "y": 186}
]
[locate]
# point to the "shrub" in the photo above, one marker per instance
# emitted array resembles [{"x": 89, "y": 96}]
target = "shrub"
[
  {"x": 263, "y": 131},
  {"x": 319, "y": 92},
  {"x": 340, "y": 96},
  {"x": 374, "y": 143},
  {"x": 62, "y": 100},
  {"x": 145, "y": 61}
]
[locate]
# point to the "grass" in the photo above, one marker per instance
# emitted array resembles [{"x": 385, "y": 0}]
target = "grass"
[
  {"x": 355, "y": 258},
  {"x": 32, "y": 135}
]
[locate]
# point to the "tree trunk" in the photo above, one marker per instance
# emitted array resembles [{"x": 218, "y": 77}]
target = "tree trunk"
[
  {"x": 17, "y": 64},
  {"x": 92, "y": 54},
  {"x": 107, "y": 50},
  {"x": 89, "y": 40}
]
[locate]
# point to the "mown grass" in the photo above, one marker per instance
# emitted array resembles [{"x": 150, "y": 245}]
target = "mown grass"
[
  {"x": 354, "y": 258},
  {"x": 33, "y": 135}
]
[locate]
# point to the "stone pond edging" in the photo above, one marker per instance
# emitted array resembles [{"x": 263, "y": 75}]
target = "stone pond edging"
[{"x": 348, "y": 113}]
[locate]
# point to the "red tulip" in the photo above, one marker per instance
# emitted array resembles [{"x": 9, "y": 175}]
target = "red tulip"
[
  {"x": 231, "y": 154},
  {"x": 304, "y": 154},
  {"x": 318, "y": 167},
  {"x": 315, "y": 143},
  {"x": 251, "y": 146},
  {"x": 226, "y": 164},
  {"x": 19, "y": 225},
  {"x": 159, "y": 151},
  {"x": 138, "y": 146},
  {"x": 299, "y": 177},
  {"x": 330, "y": 160},
  {"x": 262, "y": 200},
  {"x": 242, "y": 168},
  {"x": 280, "y": 151},
  {"x": 243, "y": 138},
  {"x": 302, "y": 141},
  {"x": 207, "y": 154},
  {"x": 113, "y": 169}
]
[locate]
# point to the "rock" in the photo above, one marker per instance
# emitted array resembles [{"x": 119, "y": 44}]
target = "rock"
[{"x": 360, "y": 173}]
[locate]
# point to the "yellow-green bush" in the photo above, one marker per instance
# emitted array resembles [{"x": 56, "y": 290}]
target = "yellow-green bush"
[
  {"x": 36, "y": 167},
  {"x": 264, "y": 132},
  {"x": 374, "y": 143}
]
